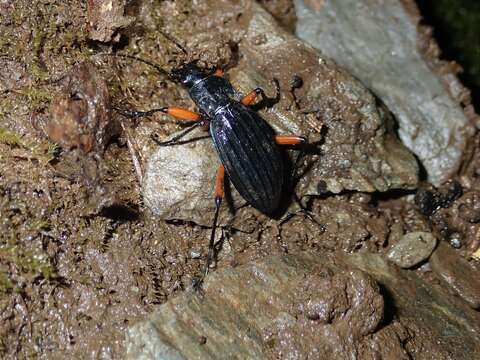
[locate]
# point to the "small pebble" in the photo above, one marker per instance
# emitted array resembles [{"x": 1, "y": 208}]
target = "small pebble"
[
  {"x": 202, "y": 340},
  {"x": 194, "y": 254},
  {"x": 456, "y": 240},
  {"x": 412, "y": 249}
]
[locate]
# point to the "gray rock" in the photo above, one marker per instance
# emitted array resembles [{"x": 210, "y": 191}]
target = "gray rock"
[
  {"x": 178, "y": 180},
  {"x": 457, "y": 273},
  {"x": 379, "y": 42},
  {"x": 272, "y": 301},
  {"x": 358, "y": 150},
  {"x": 308, "y": 305},
  {"x": 412, "y": 249}
]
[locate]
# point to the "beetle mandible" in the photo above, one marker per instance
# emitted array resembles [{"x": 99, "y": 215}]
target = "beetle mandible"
[{"x": 248, "y": 148}]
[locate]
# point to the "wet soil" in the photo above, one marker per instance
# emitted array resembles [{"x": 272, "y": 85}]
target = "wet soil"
[{"x": 80, "y": 256}]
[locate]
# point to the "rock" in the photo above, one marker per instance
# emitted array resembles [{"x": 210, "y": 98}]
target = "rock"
[
  {"x": 425, "y": 309},
  {"x": 356, "y": 150},
  {"x": 306, "y": 305},
  {"x": 412, "y": 249},
  {"x": 106, "y": 18},
  {"x": 80, "y": 112},
  {"x": 176, "y": 182},
  {"x": 378, "y": 42},
  {"x": 289, "y": 303},
  {"x": 457, "y": 273},
  {"x": 459, "y": 223}
]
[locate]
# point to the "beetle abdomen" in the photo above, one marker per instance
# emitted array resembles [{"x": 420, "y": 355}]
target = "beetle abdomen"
[{"x": 252, "y": 160}]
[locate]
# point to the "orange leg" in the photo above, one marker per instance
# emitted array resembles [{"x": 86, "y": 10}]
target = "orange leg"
[
  {"x": 269, "y": 102},
  {"x": 219, "y": 194},
  {"x": 220, "y": 184},
  {"x": 251, "y": 96},
  {"x": 179, "y": 113},
  {"x": 219, "y": 72},
  {"x": 289, "y": 140}
]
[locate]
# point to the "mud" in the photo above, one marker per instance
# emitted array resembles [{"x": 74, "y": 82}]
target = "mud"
[{"x": 81, "y": 258}]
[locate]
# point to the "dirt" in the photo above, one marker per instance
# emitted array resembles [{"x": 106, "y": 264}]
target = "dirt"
[{"x": 80, "y": 256}]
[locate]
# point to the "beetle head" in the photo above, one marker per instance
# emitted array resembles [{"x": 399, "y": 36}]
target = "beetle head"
[{"x": 188, "y": 74}]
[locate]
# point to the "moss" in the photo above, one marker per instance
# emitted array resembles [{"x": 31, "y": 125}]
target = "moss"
[
  {"x": 44, "y": 151},
  {"x": 27, "y": 262},
  {"x": 6, "y": 285},
  {"x": 37, "y": 97},
  {"x": 10, "y": 138},
  {"x": 53, "y": 152}
]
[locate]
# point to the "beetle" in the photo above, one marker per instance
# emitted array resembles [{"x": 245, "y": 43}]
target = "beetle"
[{"x": 247, "y": 147}]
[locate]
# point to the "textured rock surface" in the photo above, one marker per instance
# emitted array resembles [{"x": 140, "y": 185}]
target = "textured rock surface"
[
  {"x": 457, "y": 273},
  {"x": 176, "y": 182},
  {"x": 355, "y": 150},
  {"x": 306, "y": 306},
  {"x": 412, "y": 249},
  {"x": 380, "y": 43}
]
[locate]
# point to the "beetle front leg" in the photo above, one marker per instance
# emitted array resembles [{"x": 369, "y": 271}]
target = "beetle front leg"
[
  {"x": 203, "y": 123},
  {"x": 252, "y": 95},
  {"x": 179, "y": 113},
  {"x": 290, "y": 140}
]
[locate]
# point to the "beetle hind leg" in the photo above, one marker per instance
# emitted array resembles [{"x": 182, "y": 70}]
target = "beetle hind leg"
[{"x": 219, "y": 195}]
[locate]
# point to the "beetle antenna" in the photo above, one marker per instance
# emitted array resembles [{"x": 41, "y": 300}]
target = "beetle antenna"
[
  {"x": 173, "y": 40},
  {"x": 148, "y": 62}
]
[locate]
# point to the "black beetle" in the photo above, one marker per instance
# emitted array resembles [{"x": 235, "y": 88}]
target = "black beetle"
[{"x": 247, "y": 147}]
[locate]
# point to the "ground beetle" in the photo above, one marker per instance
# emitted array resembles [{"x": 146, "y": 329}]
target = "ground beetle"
[{"x": 247, "y": 147}]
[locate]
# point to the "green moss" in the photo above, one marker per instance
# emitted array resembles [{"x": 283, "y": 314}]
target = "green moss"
[
  {"x": 39, "y": 225},
  {"x": 37, "y": 96},
  {"x": 44, "y": 151},
  {"x": 10, "y": 138},
  {"x": 6, "y": 285},
  {"x": 53, "y": 151},
  {"x": 27, "y": 262}
]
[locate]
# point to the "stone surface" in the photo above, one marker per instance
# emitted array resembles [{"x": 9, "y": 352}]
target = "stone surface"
[
  {"x": 305, "y": 306},
  {"x": 176, "y": 182},
  {"x": 354, "y": 145},
  {"x": 457, "y": 273},
  {"x": 80, "y": 114},
  {"x": 380, "y": 43},
  {"x": 106, "y": 18},
  {"x": 412, "y": 249}
]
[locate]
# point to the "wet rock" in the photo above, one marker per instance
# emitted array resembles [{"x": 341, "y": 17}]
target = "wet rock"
[
  {"x": 105, "y": 18},
  {"x": 176, "y": 182},
  {"x": 412, "y": 249},
  {"x": 457, "y": 273},
  {"x": 379, "y": 43},
  {"x": 426, "y": 311},
  {"x": 357, "y": 148},
  {"x": 80, "y": 113},
  {"x": 454, "y": 215},
  {"x": 274, "y": 308},
  {"x": 307, "y": 305},
  {"x": 429, "y": 199}
]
